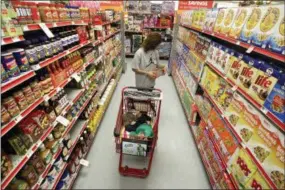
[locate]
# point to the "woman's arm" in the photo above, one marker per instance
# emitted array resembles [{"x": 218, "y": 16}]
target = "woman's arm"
[
  {"x": 160, "y": 66},
  {"x": 137, "y": 69}
]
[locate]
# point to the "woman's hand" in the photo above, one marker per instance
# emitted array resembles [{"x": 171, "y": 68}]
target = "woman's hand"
[{"x": 151, "y": 74}]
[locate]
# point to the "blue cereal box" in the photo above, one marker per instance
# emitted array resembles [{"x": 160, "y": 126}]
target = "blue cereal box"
[
  {"x": 268, "y": 26},
  {"x": 249, "y": 28},
  {"x": 275, "y": 102}
]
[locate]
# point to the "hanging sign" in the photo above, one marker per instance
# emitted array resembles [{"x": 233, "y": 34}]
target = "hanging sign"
[
  {"x": 115, "y": 4},
  {"x": 189, "y": 5}
]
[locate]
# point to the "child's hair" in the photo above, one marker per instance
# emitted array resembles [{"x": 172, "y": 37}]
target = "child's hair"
[{"x": 152, "y": 41}]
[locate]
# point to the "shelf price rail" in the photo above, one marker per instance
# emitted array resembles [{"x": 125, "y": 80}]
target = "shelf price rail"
[{"x": 251, "y": 47}]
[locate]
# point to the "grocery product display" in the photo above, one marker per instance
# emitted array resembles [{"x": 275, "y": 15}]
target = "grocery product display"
[
  {"x": 230, "y": 80},
  {"x": 58, "y": 70},
  {"x": 142, "y": 17}
]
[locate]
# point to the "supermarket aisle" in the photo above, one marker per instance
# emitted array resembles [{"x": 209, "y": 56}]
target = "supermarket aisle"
[{"x": 176, "y": 162}]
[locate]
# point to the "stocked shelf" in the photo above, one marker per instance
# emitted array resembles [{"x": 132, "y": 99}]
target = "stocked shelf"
[
  {"x": 132, "y": 31},
  {"x": 57, "y": 57},
  {"x": 110, "y": 22},
  {"x": 110, "y": 35},
  {"x": 256, "y": 49},
  {"x": 11, "y": 40},
  {"x": 157, "y": 27},
  {"x": 16, "y": 81},
  {"x": 32, "y": 27}
]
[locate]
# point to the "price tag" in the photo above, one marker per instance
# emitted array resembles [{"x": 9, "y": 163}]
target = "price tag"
[
  {"x": 19, "y": 118},
  {"x": 84, "y": 162},
  {"x": 264, "y": 110},
  {"x": 58, "y": 89},
  {"x": 234, "y": 88},
  {"x": 238, "y": 43},
  {"x": 73, "y": 23},
  {"x": 36, "y": 67},
  {"x": 63, "y": 120},
  {"x": 76, "y": 77},
  {"x": 29, "y": 154},
  {"x": 249, "y": 50},
  {"x": 46, "y": 30},
  {"x": 16, "y": 39}
]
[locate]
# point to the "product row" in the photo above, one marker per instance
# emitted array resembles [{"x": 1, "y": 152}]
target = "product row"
[
  {"x": 261, "y": 26},
  {"x": 166, "y": 8}
]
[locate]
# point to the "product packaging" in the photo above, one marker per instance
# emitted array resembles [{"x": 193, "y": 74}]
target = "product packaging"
[
  {"x": 228, "y": 20},
  {"x": 241, "y": 18}
]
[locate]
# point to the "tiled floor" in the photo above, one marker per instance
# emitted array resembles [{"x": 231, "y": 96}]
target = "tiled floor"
[{"x": 176, "y": 163}]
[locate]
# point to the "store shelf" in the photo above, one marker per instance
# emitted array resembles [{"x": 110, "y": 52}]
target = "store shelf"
[
  {"x": 158, "y": 27},
  {"x": 11, "y": 40},
  {"x": 60, "y": 55},
  {"x": 20, "y": 161},
  {"x": 15, "y": 81},
  {"x": 32, "y": 27},
  {"x": 97, "y": 42},
  {"x": 111, "y": 22},
  {"x": 267, "y": 113},
  {"x": 256, "y": 49},
  {"x": 110, "y": 35},
  {"x": 47, "y": 169},
  {"x": 132, "y": 31},
  {"x": 242, "y": 144}
]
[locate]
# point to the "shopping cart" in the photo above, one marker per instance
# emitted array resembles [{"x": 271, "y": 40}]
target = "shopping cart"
[{"x": 147, "y": 101}]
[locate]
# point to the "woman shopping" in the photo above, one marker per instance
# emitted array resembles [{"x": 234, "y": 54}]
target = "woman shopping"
[{"x": 146, "y": 62}]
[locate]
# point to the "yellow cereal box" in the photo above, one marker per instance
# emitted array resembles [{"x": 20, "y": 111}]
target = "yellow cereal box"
[
  {"x": 210, "y": 81},
  {"x": 228, "y": 20},
  {"x": 219, "y": 20},
  {"x": 249, "y": 28},
  {"x": 235, "y": 66},
  {"x": 248, "y": 72},
  {"x": 235, "y": 110},
  {"x": 242, "y": 167},
  {"x": 257, "y": 182},
  {"x": 264, "y": 83},
  {"x": 268, "y": 25},
  {"x": 241, "y": 18}
]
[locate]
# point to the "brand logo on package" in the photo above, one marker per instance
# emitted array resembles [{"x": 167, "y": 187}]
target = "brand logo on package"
[{"x": 189, "y": 5}]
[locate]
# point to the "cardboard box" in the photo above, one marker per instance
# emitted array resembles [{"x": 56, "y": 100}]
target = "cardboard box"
[{"x": 241, "y": 18}]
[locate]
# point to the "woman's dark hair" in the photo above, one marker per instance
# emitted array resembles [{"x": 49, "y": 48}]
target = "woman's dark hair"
[{"x": 151, "y": 41}]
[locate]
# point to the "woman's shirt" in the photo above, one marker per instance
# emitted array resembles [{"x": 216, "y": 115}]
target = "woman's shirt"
[{"x": 145, "y": 62}]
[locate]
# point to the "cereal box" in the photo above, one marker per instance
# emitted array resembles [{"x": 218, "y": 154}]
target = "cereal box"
[
  {"x": 257, "y": 182},
  {"x": 249, "y": 28},
  {"x": 202, "y": 19},
  {"x": 210, "y": 81},
  {"x": 242, "y": 167},
  {"x": 218, "y": 57},
  {"x": 224, "y": 98},
  {"x": 219, "y": 20},
  {"x": 210, "y": 20},
  {"x": 241, "y": 18},
  {"x": 248, "y": 72},
  {"x": 264, "y": 83},
  {"x": 235, "y": 66},
  {"x": 212, "y": 53},
  {"x": 268, "y": 25},
  {"x": 228, "y": 20},
  {"x": 277, "y": 38},
  {"x": 275, "y": 102},
  {"x": 271, "y": 152}
]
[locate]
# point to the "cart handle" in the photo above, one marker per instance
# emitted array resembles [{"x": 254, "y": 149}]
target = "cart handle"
[{"x": 140, "y": 88}]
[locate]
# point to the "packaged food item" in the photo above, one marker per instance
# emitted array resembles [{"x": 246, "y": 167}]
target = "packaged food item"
[
  {"x": 242, "y": 167},
  {"x": 54, "y": 12},
  {"x": 45, "y": 184},
  {"x": 17, "y": 144},
  {"x": 11, "y": 106},
  {"x": 19, "y": 184},
  {"x": 31, "y": 128},
  {"x": 257, "y": 182},
  {"x": 274, "y": 14},
  {"x": 41, "y": 118},
  {"x": 52, "y": 144},
  {"x": 243, "y": 14},
  {"x": 45, "y": 154},
  {"x": 9, "y": 63},
  {"x": 34, "y": 12},
  {"x": 248, "y": 72},
  {"x": 228, "y": 21},
  {"x": 266, "y": 79},
  {"x": 4, "y": 75},
  {"x": 21, "y": 59},
  {"x": 20, "y": 99},
  {"x": 275, "y": 100},
  {"x": 210, "y": 20},
  {"x": 37, "y": 163},
  {"x": 219, "y": 21},
  {"x": 30, "y": 98},
  {"x": 234, "y": 67},
  {"x": 250, "y": 27},
  {"x": 36, "y": 89},
  {"x": 6, "y": 164},
  {"x": 277, "y": 38},
  {"x": 5, "y": 116},
  {"x": 58, "y": 163},
  {"x": 45, "y": 12},
  {"x": 29, "y": 174}
]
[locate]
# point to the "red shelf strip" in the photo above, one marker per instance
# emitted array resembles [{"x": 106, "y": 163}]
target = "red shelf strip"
[{"x": 11, "y": 40}]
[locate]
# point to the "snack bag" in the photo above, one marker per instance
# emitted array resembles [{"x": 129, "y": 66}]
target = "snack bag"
[
  {"x": 275, "y": 101},
  {"x": 228, "y": 20},
  {"x": 277, "y": 38},
  {"x": 242, "y": 167},
  {"x": 264, "y": 83},
  {"x": 239, "y": 21},
  {"x": 268, "y": 25},
  {"x": 219, "y": 21},
  {"x": 248, "y": 72},
  {"x": 249, "y": 28},
  {"x": 257, "y": 182},
  {"x": 234, "y": 67}
]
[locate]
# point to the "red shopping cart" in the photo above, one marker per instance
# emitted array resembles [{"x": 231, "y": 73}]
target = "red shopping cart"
[{"x": 139, "y": 100}]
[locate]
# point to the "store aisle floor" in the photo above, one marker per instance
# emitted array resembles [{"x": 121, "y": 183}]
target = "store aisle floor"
[{"x": 176, "y": 163}]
